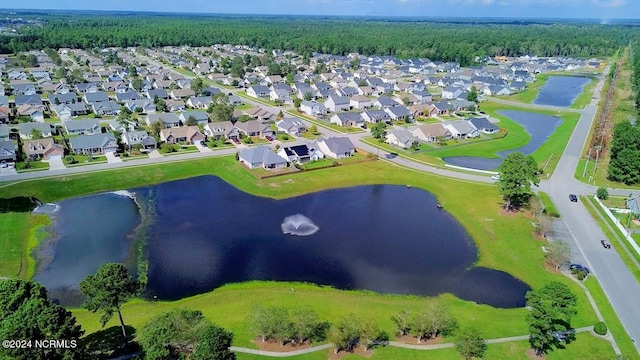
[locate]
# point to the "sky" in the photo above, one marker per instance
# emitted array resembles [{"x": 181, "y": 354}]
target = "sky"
[{"x": 594, "y": 9}]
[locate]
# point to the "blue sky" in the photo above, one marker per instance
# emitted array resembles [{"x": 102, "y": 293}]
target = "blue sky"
[{"x": 599, "y": 9}]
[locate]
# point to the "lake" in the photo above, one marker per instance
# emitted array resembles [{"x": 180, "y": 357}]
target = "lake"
[
  {"x": 383, "y": 238},
  {"x": 538, "y": 126},
  {"x": 561, "y": 90}
]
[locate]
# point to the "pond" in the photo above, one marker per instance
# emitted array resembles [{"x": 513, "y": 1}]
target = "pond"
[
  {"x": 561, "y": 90},
  {"x": 538, "y": 126},
  {"x": 383, "y": 238}
]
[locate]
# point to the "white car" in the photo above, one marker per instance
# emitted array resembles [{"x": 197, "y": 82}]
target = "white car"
[{"x": 496, "y": 177}]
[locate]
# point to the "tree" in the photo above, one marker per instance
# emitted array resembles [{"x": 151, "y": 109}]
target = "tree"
[
  {"x": 470, "y": 344},
  {"x": 378, "y": 131},
  {"x": 197, "y": 85},
  {"x": 191, "y": 121},
  {"x": 313, "y": 129},
  {"x": 180, "y": 333},
  {"x": 517, "y": 172},
  {"x": 406, "y": 101},
  {"x": 352, "y": 331},
  {"x": 602, "y": 193},
  {"x": 280, "y": 115},
  {"x": 551, "y": 308},
  {"x": 431, "y": 322},
  {"x": 161, "y": 105},
  {"x": 473, "y": 95},
  {"x": 308, "y": 96},
  {"x": 545, "y": 225},
  {"x": 106, "y": 291},
  {"x": 36, "y": 134},
  {"x": 296, "y": 102},
  {"x": 558, "y": 253},
  {"x": 28, "y": 314},
  {"x": 220, "y": 108},
  {"x": 402, "y": 321}
]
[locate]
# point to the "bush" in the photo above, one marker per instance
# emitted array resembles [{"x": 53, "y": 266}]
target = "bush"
[
  {"x": 600, "y": 328},
  {"x": 166, "y": 148},
  {"x": 602, "y": 193},
  {"x": 581, "y": 275},
  {"x": 70, "y": 159}
]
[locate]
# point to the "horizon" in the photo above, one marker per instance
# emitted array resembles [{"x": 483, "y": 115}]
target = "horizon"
[{"x": 596, "y": 10}]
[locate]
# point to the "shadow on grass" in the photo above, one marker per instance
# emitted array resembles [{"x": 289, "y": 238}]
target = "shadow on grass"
[
  {"x": 17, "y": 204},
  {"x": 109, "y": 343}
]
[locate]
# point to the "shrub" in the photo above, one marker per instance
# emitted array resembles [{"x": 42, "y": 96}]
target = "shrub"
[
  {"x": 600, "y": 328},
  {"x": 70, "y": 159},
  {"x": 581, "y": 275},
  {"x": 602, "y": 193}
]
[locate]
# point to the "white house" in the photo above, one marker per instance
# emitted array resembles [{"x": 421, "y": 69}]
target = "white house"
[
  {"x": 461, "y": 129},
  {"x": 337, "y": 103},
  {"x": 313, "y": 108}
]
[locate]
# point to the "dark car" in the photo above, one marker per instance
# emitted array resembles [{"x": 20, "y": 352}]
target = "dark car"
[
  {"x": 235, "y": 140},
  {"x": 579, "y": 267},
  {"x": 563, "y": 335},
  {"x": 268, "y": 138},
  {"x": 605, "y": 244},
  {"x": 573, "y": 197},
  {"x": 202, "y": 143}
]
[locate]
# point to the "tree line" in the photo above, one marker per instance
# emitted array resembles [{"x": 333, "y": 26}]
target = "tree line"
[
  {"x": 440, "y": 41},
  {"x": 624, "y": 165}
]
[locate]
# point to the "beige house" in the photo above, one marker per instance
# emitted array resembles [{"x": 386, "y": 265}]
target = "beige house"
[
  {"x": 190, "y": 134},
  {"x": 44, "y": 149}
]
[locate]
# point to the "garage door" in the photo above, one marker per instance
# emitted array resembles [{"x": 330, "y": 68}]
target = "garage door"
[{"x": 55, "y": 157}]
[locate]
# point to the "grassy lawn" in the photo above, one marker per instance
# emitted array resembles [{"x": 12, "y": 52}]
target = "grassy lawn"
[
  {"x": 325, "y": 124},
  {"x": 21, "y": 233},
  {"x": 585, "y": 97},
  {"x": 243, "y": 107},
  {"x": 503, "y": 242},
  {"x": 86, "y": 160},
  {"x": 530, "y": 94},
  {"x": 427, "y": 120},
  {"x": 549, "y": 207},
  {"x": 35, "y": 166}
]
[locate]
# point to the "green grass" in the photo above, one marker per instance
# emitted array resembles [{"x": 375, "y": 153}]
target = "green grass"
[
  {"x": 86, "y": 160},
  {"x": 530, "y": 94},
  {"x": 549, "y": 208},
  {"x": 21, "y": 233},
  {"x": 586, "y": 96}
]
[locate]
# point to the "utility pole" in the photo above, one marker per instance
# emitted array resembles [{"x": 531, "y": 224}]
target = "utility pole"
[{"x": 598, "y": 147}]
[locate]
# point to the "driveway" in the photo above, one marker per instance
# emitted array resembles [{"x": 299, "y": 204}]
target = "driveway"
[
  {"x": 112, "y": 158},
  {"x": 56, "y": 164},
  {"x": 202, "y": 148}
]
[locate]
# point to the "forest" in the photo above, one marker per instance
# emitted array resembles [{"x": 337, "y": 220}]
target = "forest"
[{"x": 436, "y": 40}]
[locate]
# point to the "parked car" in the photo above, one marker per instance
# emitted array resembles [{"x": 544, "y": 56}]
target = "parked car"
[
  {"x": 605, "y": 244},
  {"x": 268, "y": 138},
  {"x": 496, "y": 177},
  {"x": 579, "y": 267},
  {"x": 202, "y": 143},
  {"x": 235, "y": 140},
  {"x": 573, "y": 197}
]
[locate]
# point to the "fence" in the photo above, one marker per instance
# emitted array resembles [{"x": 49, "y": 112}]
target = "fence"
[{"x": 616, "y": 221}]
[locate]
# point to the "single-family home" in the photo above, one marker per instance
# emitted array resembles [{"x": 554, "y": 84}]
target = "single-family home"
[
  {"x": 34, "y": 112},
  {"x": 106, "y": 108},
  {"x": 132, "y": 138},
  {"x": 260, "y": 114},
  {"x": 484, "y": 125},
  {"x": 360, "y": 102},
  {"x": 313, "y": 108},
  {"x": 24, "y": 89},
  {"x": 8, "y": 151},
  {"x": 127, "y": 96},
  {"x": 86, "y": 87},
  {"x": 299, "y": 154},
  {"x": 347, "y": 119},
  {"x": 254, "y": 128},
  {"x": 178, "y": 94},
  {"x": 82, "y": 127},
  {"x": 93, "y": 144},
  {"x": 26, "y": 129},
  {"x": 45, "y": 149},
  {"x": 34, "y": 100},
  {"x": 291, "y": 126},
  {"x": 67, "y": 98},
  {"x": 337, "y": 103},
  {"x": 336, "y": 147},
  {"x": 182, "y": 134},
  {"x": 4, "y": 132},
  {"x": 261, "y": 156},
  {"x": 67, "y": 111},
  {"x": 258, "y": 91},
  {"x": 168, "y": 120},
  {"x": 384, "y": 102},
  {"x": 375, "y": 116},
  {"x": 451, "y": 92},
  {"x": 176, "y": 105},
  {"x": 443, "y": 108},
  {"x": 430, "y": 132},
  {"x": 199, "y": 117},
  {"x": 199, "y": 102},
  {"x": 400, "y": 137},
  {"x": 157, "y": 93},
  {"x": 142, "y": 105},
  {"x": 95, "y": 97},
  {"x": 461, "y": 129},
  {"x": 398, "y": 113},
  {"x": 221, "y": 129}
]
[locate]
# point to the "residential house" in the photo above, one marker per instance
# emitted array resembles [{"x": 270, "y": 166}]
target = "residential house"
[
  {"x": 67, "y": 111},
  {"x": 67, "y": 98},
  {"x": 86, "y": 88},
  {"x": 235, "y": 100},
  {"x": 199, "y": 102},
  {"x": 430, "y": 132},
  {"x": 400, "y": 137},
  {"x": 291, "y": 126},
  {"x": 24, "y": 89},
  {"x": 7, "y": 151},
  {"x": 258, "y": 91},
  {"x": 484, "y": 125},
  {"x": 398, "y": 113},
  {"x": 26, "y": 129},
  {"x": 313, "y": 108},
  {"x": 451, "y": 92},
  {"x": 95, "y": 97},
  {"x": 360, "y": 102},
  {"x": 144, "y": 105},
  {"x": 45, "y": 149},
  {"x": 34, "y": 100},
  {"x": 168, "y": 120},
  {"x": 106, "y": 108},
  {"x": 127, "y": 96},
  {"x": 336, "y": 147},
  {"x": 280, "y": 97},
  {"x": 375, "y": 116},
  {"x": 347, "y": 119},
  {"x": 34, "y": 112},
  {"x": 461, "y": 129},
  {"x": 443, "y": 108},
  {"x": 254, "y": 128},
  {"x": 299, "y": 154},
  {"x": 115, "y": 86},
  {"x": 82, "y": 127},
  {"x": 260, "y": 114},
  {"x": 220, "y": 129},
  {"x": 178, "y": 94},
  {"x": 159, "y": 93},
  {"x": 261, "y": 157},
  {"x": 385, "y": 101},
  {"x": 95, "y": 144},
  {"x": 200, "y": 117},
  {"x": 337, "y": 103},
  {"x": 183, "y": 134}
]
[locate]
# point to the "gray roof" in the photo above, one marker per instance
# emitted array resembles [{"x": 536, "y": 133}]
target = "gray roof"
[
  {"x": 399, "y": 111},
  {"x": 387, "y": 101},
  {"x": 4, "y": 100},
  {"x": 83, "y": 124},
  {"x": 463, "y": 127},
  {"x": 93, "y": 141},
  {"x": 26, "y": 128},
  {"x": 28, "y": 99},
  {"x": 139, "y": 137},
  {"x": 166, "y": 118},
  {"x": 483, "y": 123},
  {"x": 160, "y": 93},
  {"x": 339, "y": 100},
  {"x": 7, "y": 149},
  {"x": 4, "y": 130},
  {"x": 289, "y": 123},
  {"x": 97, "y": 96},
  {"x": 128, "y": 95},
  {"x": 339, "y": 145},
  {"x": 403, "y": 135},
  {"x": 262, "y": 155},
  {"x": 69, "y": 97},
  {"x": 198, "y": 115}
]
